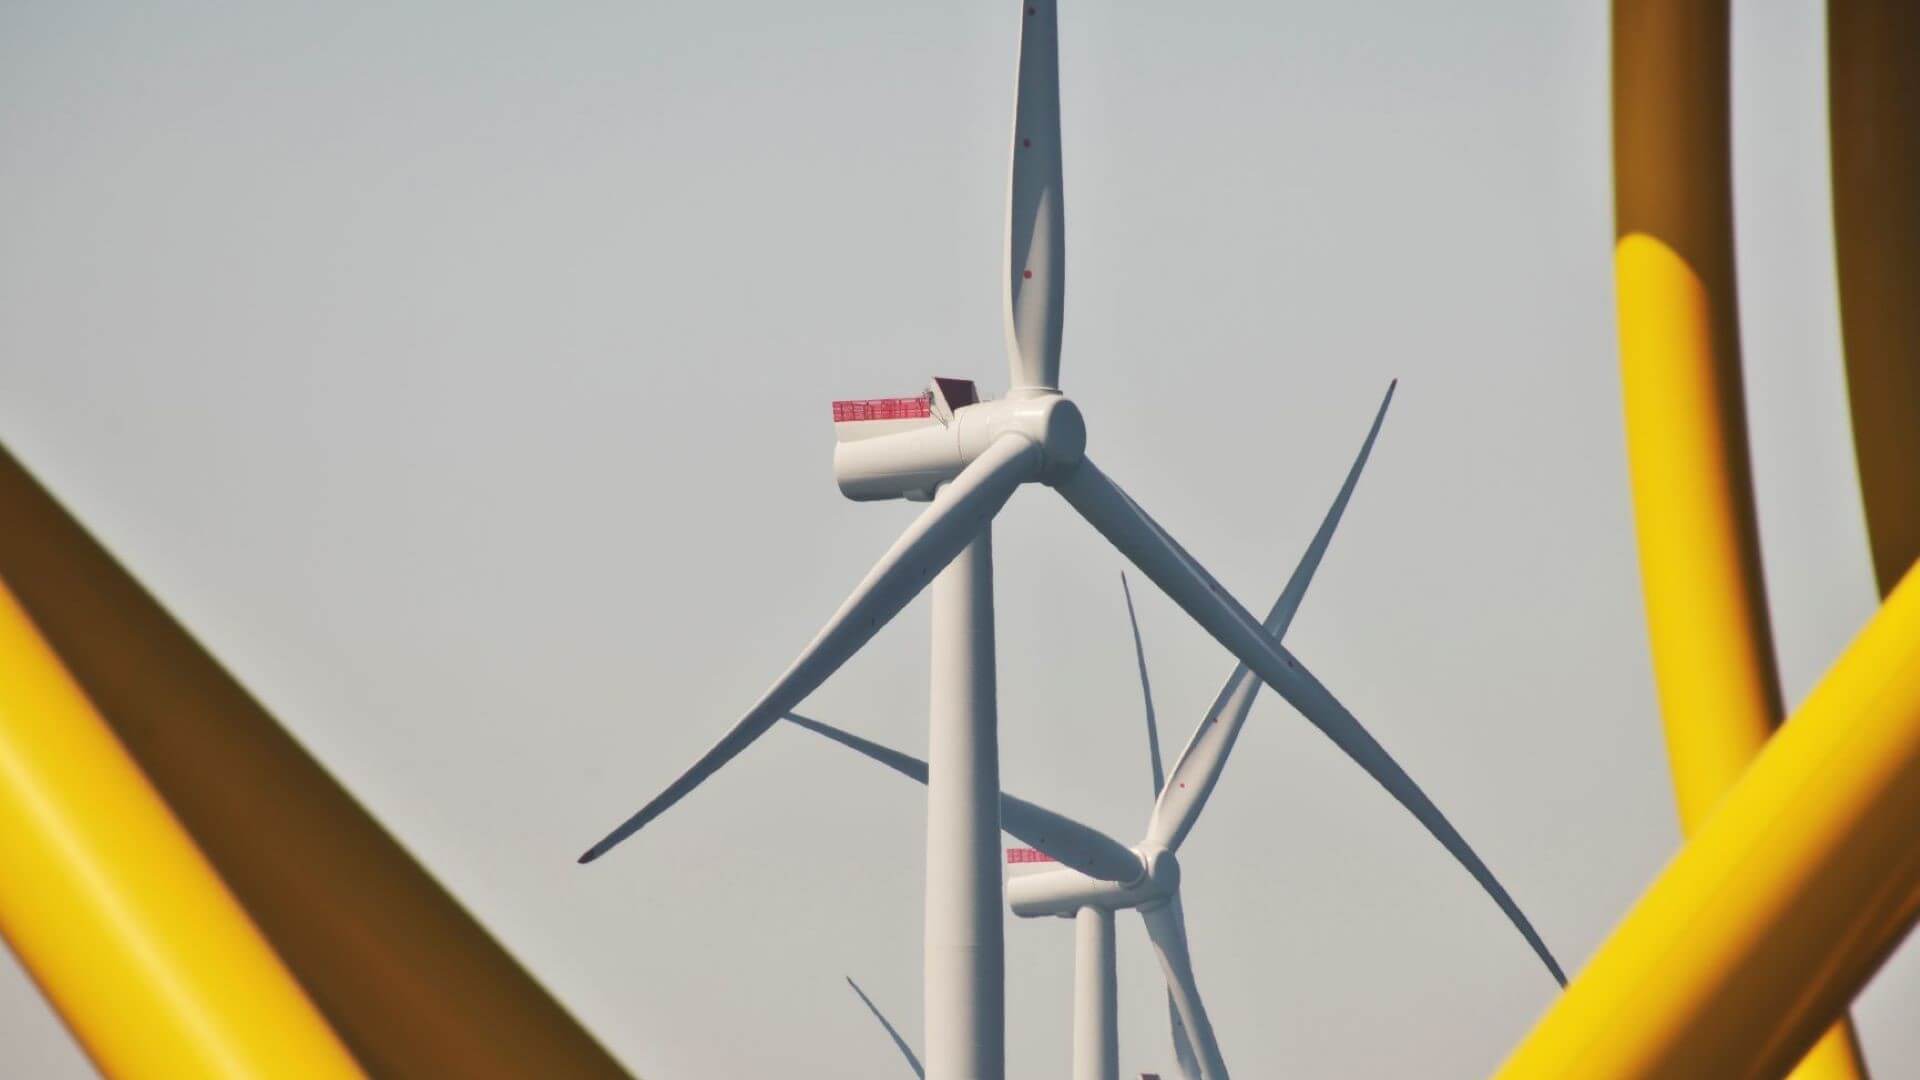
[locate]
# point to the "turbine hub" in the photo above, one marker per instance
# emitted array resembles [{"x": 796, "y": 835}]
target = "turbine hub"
[
  {"x": 1163, "y": 870},
  {"x": 1052, "y": 421}
]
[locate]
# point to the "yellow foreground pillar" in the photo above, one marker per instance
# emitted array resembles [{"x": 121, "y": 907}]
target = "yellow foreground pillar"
[
  {"x": 414, "y": 985},
  {"x": 114, "y": 911},
  {"x": 1873, "y": 100},
  {"x": 1692, "y": 482},
  {"x": 1774, "y": 915},
  {"x": 1873, "y": 89}
]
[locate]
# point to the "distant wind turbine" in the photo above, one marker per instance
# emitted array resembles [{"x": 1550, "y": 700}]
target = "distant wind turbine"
[{"x": 1103, "y": 876}]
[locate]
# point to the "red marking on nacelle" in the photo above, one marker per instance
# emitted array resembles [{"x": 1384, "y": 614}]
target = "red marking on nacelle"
[{"x": 899, "y": 408}]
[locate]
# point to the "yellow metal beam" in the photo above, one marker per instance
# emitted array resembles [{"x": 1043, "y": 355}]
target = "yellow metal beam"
[
  {"x": 1699, "y": 561},
  {"x": 1680, "y": 373},
  {"x": 413, "y": 984},
  {"x": 1873, "y": 100},
  {"x": 1700, "y": 569},
  {"x": 1774, "y": 915},
  {"x": 113, "y": 910},
  {"x": 1873, "y": 88}
]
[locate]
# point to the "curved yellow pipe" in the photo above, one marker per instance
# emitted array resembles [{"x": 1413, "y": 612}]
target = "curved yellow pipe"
[
  {"x": 410, "y": 980},
  {"x": 1873, "y": 101},
  {"x": 1699, "y": 561},
  {"x": 1873, "y": 96},
  {"x": 1773, "y": 916},
  {"x": 114, "y": 911},
  {"x": 1707, "y": 621}
]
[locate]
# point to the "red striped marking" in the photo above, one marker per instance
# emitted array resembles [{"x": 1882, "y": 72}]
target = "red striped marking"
[
  {"x": 900, "y": 408},
  {"x": 1027, "y": 855}
]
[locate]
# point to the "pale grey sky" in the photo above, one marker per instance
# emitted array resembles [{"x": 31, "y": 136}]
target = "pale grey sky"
[{"x": 459, "y": 373}]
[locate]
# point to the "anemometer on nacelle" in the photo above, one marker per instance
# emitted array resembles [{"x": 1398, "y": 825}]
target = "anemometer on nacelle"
[{"x": 906, "y": 447}]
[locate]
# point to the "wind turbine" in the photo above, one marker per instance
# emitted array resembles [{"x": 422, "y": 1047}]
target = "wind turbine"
[
  {"x": 1102, "y": 874},
  {"x": 968, "y": 456}
]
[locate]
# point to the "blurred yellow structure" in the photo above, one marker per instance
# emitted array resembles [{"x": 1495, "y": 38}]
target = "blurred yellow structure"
[
  {"x": 411, "y": 982},
  {"x": 113, "y": 910},
  {"x": 1801, "y": 878},
  {"x": 1775, "y": 913},
  {"x": 1873, "y": 99},
  {"x": 1687, "y": 453},
  {"x": 1873, "y": 95}
]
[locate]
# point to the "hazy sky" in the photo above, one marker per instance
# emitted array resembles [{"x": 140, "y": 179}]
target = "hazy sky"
[{"x": 459, "y": 373}]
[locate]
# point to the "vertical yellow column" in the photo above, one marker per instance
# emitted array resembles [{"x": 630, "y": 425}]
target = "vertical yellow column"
[
  {"x": 1873, "y": 96},
  {"x": 1783, "y": 903},
  {"x": 1686, "y": 429},
  {"x": 116, "y": 913}
]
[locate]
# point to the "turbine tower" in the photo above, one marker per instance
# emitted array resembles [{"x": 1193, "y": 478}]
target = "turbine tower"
[
  {"x": 967, "y": 456},
  {"x": 1104, "y": 876}
]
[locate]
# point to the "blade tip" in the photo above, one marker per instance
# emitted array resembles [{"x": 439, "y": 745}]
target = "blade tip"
[{"x": 593, "y": 853}]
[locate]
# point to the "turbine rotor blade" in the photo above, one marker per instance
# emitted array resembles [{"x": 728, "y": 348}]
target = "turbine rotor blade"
[
  {"x": 1170, "y": 945},
  {"x": 1205, "y": 758},
  {"x": 958, "y": 513},
  {"x": 1184, "y": 1058},
  {"x": 1296, "y": 589},
  {"x": 1183, "y": 1053},
  {"x": 1108, "y": 509},
  {"x": 1066, "y": 841},
  {"x": 1146, "y": 694},
  {"x": 1036, "y": 218},
  {"x": 907, "y": 1051}
]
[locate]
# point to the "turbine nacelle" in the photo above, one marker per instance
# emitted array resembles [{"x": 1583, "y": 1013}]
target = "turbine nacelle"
[
  {"x": 1065, "y": 892},
  {"x": 905, "y": 448}
]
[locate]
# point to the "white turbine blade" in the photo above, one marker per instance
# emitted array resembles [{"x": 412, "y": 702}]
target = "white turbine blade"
[
  {"x": 1066, "y": 841},
  {"x": 1205, "y": 757},
  {"x": 1183, "y": 1055},
  {"x": 1148, "y": 546},
  {"x": 1146, "y": 693},
  {"x": 1296, "y": 589},
  {"x": 961, "y": 509},
  {"x": 1200, "y": 765},
  {"x": 912, "y": 1061},
  {"x": 1036, "y": 218},
  {"x": 1170, "y": 944}
]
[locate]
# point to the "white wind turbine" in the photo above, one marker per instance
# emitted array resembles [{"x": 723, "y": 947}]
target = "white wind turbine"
[
  {"x": 1093, "y": 888},
  {"x": 968, "y": 456}
]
